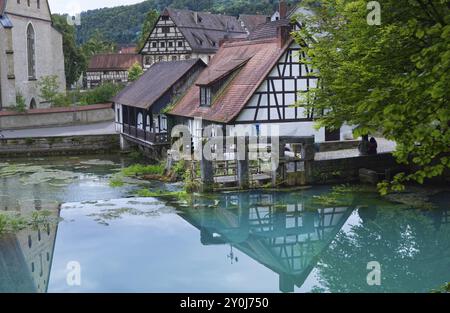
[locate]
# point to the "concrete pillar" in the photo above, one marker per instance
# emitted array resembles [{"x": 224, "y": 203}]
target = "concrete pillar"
[
  {"x": 278, "y": 169},
  {"x": 124, "y": 144},
  {"x": 243, "y": 165},
  {"x": 309, "y": 152},
  {"x": 286, "y": 283},
  {"x": 207, "y": 174}
]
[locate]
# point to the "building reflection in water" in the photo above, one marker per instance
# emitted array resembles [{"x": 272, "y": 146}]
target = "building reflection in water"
[
  {"x": 282, "y": 233},
  {"x": 26, "y": 256}
]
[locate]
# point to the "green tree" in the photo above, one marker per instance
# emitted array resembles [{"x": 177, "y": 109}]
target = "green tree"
[
  {"x": 49, "y": 87},
  {"x": 74, "y": 59},
  {"x": 134, "y": 72},
  {"x": 149, "y": 23},
  {"x": 392, "y": 78},
  {"x": 97, "y": 45}
]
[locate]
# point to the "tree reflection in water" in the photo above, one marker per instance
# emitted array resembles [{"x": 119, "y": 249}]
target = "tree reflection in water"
[{"x": 412, "y": 247}]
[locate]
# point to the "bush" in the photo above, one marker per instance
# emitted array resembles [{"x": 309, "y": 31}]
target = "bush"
[
  {"x": 101, "y": 94},
  {"x": 20, "y": 106},
  {"x": 134, "y": 72},
  {"x": 49, "y": 87},
  {"x": 62, "y": 100}
]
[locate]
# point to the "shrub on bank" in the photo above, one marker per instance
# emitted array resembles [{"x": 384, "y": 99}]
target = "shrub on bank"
[{"x": 101, "y": 94}]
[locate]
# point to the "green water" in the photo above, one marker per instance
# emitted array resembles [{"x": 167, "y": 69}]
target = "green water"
[{"x": 258, "y": 241}]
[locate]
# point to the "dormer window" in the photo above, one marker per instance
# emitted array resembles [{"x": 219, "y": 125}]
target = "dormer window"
[
  {"x": 205, "y": 96},
  {"x": 198, "y": 39}
]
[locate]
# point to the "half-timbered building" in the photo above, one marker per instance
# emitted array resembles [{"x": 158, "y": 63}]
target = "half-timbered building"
[
  {"x": 110, "y": 68},
  {"x": 184, "y": 34},
  {"x": 253, "y": 85},
  {"x": 140, "y": 106}
]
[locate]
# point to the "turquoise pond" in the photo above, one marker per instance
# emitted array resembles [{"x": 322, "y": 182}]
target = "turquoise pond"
[{"x": 258, "y": 241}]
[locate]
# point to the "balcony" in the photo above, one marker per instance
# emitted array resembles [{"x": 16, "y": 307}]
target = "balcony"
[{"x": 143, "y": 135}]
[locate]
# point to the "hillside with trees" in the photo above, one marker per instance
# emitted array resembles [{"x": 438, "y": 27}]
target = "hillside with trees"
[{"x": 123, "y": 24}]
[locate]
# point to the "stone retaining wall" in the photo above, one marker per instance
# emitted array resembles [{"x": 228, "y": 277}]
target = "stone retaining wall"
[
  {"x": 56, "y": 117},
  {"x": 49, "y": 146},
  {"x": 337, "y": 145},
  {"x": 347, "y": 170}
]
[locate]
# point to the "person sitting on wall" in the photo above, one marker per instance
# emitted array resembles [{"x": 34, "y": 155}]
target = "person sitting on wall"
[
  {"x": 364, "y": 145},
  {"x": 373, "y": 146}
]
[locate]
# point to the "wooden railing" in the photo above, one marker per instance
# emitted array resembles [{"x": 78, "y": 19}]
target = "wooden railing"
[{"x": 145, "y": 135}]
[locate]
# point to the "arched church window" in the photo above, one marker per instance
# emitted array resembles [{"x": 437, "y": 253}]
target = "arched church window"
[{"x": 31, "y": 52}]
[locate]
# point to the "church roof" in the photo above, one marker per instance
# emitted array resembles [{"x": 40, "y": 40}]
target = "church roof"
[
  {"x": 203, "y": 30},
  {"x": 156, "y": 81},
  {"x": 113, "y": 61}
]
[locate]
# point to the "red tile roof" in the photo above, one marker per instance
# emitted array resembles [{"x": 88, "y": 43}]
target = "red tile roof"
[
  {"x": 268, "y": 30},
  {"x": 158, "y": 79},
  {"x": 128, "y": 50},
  {"x": 222, "y": 68},
  {"x": 262, "y": 56},
  {"x": 114, "y": 61},
  {"x": 252, "y": 21}
]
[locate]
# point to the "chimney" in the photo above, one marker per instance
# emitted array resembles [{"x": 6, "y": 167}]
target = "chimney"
[
  {"x": 224, "y": 40},
  {"x": 196, "y": 17},
  {"x": 283, "y": 9},
  {"x": 283, "y": 35}
]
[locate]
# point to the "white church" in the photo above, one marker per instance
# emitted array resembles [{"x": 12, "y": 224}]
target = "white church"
[{"x": 30, "y": 48}]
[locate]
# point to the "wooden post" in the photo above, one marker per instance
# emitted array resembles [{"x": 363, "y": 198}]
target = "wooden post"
[{"x": 243, "y": 164}]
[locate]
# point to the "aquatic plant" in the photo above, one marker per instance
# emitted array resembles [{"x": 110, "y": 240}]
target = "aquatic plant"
[
  {"x": 13, "y": 221},
  {"x": 34, "y": 174},
  {"x": 146, "y": 193},
  {"x": 443, "y": 289},
  {"x": 98, "y": 162},
  {"x": 140, "y": 170},
  {"x": 116, "y": 181}
]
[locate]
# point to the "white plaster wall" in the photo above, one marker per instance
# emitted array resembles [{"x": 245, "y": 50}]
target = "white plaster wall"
[{"x": 48, "y": 48}]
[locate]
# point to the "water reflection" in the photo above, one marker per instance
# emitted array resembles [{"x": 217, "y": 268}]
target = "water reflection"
[
  {"x": 26, "y": 256},
  {"x": 284, "y": 235},
  {"x": 252, "y": 241},
  {"x": 412, "y": 246}
]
